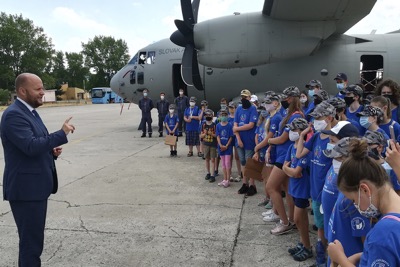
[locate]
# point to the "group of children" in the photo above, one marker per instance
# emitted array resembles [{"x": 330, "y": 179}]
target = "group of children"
[{"x": 302, "y": 151}]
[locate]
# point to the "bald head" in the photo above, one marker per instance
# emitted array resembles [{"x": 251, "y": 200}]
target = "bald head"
[{"x": 29, "y": 87}]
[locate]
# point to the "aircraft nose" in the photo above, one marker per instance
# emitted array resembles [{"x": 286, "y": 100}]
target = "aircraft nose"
[{"x": 114, "y": 83}]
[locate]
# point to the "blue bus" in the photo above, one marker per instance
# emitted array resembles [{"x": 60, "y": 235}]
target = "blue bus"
[{"x": 104, "y": 95}]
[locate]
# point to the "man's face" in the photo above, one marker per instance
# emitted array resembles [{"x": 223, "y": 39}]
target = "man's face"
[{"x": 32, "y": 92}]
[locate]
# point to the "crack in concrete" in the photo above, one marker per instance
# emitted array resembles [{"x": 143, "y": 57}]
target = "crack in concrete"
[
  {"x": 55, "y": 252},
  {"x": 63, "y": 159},
  {"x": 180, "y": 236},
  {"x": 83, "y": 226},
  {"x": 82, "y": 231},
  {"x": 237, "y": 232},
  {"x": 69, "y": 205},
  {"x": 4, "y": 213}
]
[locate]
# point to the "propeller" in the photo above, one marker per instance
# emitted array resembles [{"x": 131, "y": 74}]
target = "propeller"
[{"x": 184, "y": 37}]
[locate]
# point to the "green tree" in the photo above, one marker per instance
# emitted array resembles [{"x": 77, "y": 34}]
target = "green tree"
[
  {"x": 59, "y": 71},
  {"x": 4, "y": 96},
  {"x": 76, "y": 71},
  {"x": 23, "y": 48},
  {"x": 105, "y": 56}
]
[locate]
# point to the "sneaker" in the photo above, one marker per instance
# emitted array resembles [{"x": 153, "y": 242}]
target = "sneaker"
[
  {"x": 271, "y": 218},
  {"x": 212, "y": 179},
  {"x": 208, "y": 176},
  {"x": 226, "y": 184},
  {"x": 231, "y": 179},
  {"x": 172, "y": 153},
  {"x": 175, "y": 153},
  {"x": 216, "y": 173},
  {"x": 296, "y": 249},
  {"x": 280, "y": 228},
  {"x": 263, "y": 202},
  {"x": 269, "y": 206},
  {"x": 143, "y": 135},
  {"x": 150, "y": 135},
  {"x": 252, "y": 191},
  {"x": 221, "y": 183},
  {"x": 161, "y": 134},
  {"x": 303, "y": 254},
  {"x": 237, "y": 179},
  {"x": 243, "y": 189},
  {"x": 267, "y": 213}
]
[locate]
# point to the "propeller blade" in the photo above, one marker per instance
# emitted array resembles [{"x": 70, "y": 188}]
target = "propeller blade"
[
  {"x": 196, "y": 74},
  {"x": 195, "y": 9},
  {"x": 183, "y": 27},
  {"x": 178, "y": 39},
  {"x": 187, "y": 12},
  {"x": 186, "y": 68}
]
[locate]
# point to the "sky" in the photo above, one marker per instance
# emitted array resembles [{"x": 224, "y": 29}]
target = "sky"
[{"x": 141, "y": 22}]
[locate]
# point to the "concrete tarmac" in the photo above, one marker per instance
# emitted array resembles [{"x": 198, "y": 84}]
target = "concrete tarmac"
[{"x": 122, "y": 201}]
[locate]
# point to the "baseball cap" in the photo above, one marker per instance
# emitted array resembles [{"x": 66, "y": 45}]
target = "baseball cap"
[
  {"x": 192, "y": 99},
  {"x": 342, "y": 148},
  {"x": 375, "y": 137},
  {"x": 353, "y": 88},
  {"x": 343, "y": 129},
  {"x": 269, "y": 93},
  {"x": 245, "y": 92},
  {"x": 171, "y": 106},
  {"x": 337, "y": 102},
  {"x": 323, "y": 109},
  {"x": 232, "y": 104},
  {"x": 291, "y": 91},
  {"x": 314, "y": 83},
  {"x": 341, "y": 76},
  {"x": 203, "y": 103},
  {"x": 254, "y": 98},
  {"x": 322, "y": 94},
  {"x": 208, "y": 112},
  {"x": 298, "y": 124},
  {"x": 223, "y": 111},
  {"x": 371, "y": 111}
]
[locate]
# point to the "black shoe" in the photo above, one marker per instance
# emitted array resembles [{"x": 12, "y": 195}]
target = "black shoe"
[
  {"x": 175, "y": 153},
  {"x": 208, "y": 176},
  {"x": 143, "y": 135},
  {"x": 252, "y": 191},
  {"x": 216, "y": 173},
  {"x": 149, "y": 135},
  {"x": 212, "y": 179},
  {"x": 161, "y": 135},
  {"x": 283, "y": 194},
  {"x": 243, "y": 189},
  {"x": 172, "y": 153}
]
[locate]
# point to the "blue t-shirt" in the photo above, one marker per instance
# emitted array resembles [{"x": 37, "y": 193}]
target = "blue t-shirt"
[
  {"x": 395, "y": 114},
  {"x": 348, "y": 226},
  {"x": 361, "y": 130},
  {"x": 224, "y": 133},
  {"x": 382, "y": 245},
  {"x": 340, "y": 95},
  {"x": 274, "y": 122},
  {"x": 396, "y": 128},
  {"x": 261, "y": 135},
  {"x": 246, "y": 116},
  {"x": 353, "y": 115},
  {"x": 311, "y": 107},
  {"x": 329, "y": 196},
  {"x": 171, "y": 122},
  {"x": 298, "y": 187},
  {"x": 192, "y": 126},
  {"x": 282, "y": 149},
  {"x": 319, "y": 164}
]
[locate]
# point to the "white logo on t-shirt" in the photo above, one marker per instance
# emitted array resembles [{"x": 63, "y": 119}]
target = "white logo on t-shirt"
[{"x": 357, "y": 223}]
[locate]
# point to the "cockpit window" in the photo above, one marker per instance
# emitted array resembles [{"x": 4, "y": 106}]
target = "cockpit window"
[
  {"x": 142, "y": 58},
  {"x": 151, "y": 55},
  {"x": 140, "y": 78},
  {"x": 133, "y": 61},
  {"x": 133, "y": 77}
]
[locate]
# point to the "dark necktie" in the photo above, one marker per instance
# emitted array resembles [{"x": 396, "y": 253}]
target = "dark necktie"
[{"x": 37, "y": 117}]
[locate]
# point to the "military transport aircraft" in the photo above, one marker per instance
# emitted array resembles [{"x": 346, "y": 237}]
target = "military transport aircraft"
[{"x": 289, "y": 42}]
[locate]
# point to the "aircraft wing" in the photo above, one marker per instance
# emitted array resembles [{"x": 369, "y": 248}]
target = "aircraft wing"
[{"x": 345, "y": 13}]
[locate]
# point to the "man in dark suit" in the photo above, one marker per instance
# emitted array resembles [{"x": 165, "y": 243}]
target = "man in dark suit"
[{"x": 30, "y": 174}]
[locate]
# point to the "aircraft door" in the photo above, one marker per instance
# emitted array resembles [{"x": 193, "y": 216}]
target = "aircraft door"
[
  {"x": 177, "y": 81},
  {"x": 371, "y": 71}
]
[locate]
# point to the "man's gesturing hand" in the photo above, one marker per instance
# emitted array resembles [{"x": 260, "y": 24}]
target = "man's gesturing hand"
[{"x": 68, "y": 127}]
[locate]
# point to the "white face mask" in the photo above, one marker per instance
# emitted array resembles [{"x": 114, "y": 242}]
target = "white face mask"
[
  {"x": 181, "y": 93},
  {"x": 269, "y": 107},
  {"x": 336, "y": 165},
  {"x": 320, "y": 125},
  {"x": 171, "y": 111},
  {"x": 192, "y": 104},
  {"x": 303, "y": 100},
  {"x": 294, "y": 136},
  {"x": 144, "y": 94},
  {"x": 162, "y": 97},
  {"x": 371, "y": 211}
]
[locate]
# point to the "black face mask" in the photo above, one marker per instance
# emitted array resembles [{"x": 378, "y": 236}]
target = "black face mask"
[
  {"x": 349, "y": 100},
  {"x": 390, "y": 97},
  {"x": 317, "y": 101},
  {"x": 246, "y": 103},
  {"x": 208, "y": 118},
  {"x": 285, "y": 104}
]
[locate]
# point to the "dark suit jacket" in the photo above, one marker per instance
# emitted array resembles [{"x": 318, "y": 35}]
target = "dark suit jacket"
[{"x": 29, "y": 172}]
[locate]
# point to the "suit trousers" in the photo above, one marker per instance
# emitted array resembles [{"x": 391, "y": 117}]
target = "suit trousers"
[{"x": 30, "y": 218}]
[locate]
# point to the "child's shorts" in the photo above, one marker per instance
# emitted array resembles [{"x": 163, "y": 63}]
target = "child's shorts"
[
  {"x": 301, "y": 203},
  {"x": 210, "y": 152}
]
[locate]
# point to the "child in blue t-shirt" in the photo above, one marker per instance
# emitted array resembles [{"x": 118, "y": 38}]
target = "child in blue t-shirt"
[
  {"x": 224, "y": 138},
  {"x": 299, "y": 189},
  {"x": 192, "y": 116},
  {"x": 171, "y": 122}
]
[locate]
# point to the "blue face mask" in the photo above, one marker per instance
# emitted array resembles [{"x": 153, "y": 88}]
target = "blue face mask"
[
  {"x": 264, "y": 113},
  {"x": 311, "y": 93},
  {"x": 340, "y": 86},
  {"x": 330, "y": 146},
  {"x": 364, "y": 122},
  {"x": 223, "y": 118}
]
